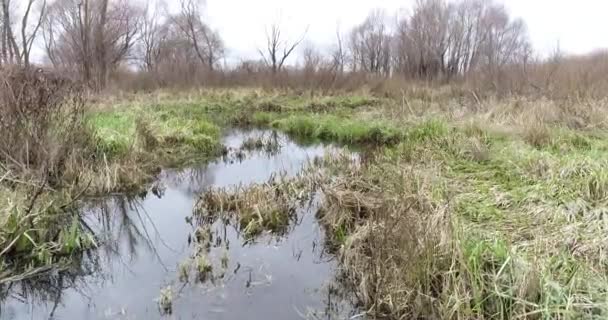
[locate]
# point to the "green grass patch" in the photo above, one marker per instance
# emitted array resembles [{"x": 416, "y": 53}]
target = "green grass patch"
[
  {"x": 172, "y": 132},
  {"x": 328, "y": 127},
  {"x": 115, "y": 132}
]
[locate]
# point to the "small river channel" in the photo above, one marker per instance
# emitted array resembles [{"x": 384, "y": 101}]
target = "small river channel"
[{"x": 143, "y": 239}]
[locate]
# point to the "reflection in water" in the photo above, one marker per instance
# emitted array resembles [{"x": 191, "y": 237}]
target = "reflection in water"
[
  {"x": 143, "y": 240},
  {"x": 49, "y": 288}
]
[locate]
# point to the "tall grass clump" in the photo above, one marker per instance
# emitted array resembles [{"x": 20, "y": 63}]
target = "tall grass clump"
[
  {"x": 39, "y": 233},
  {"x": 537, "y": 135}
]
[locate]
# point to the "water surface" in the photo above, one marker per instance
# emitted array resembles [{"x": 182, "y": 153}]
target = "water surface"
[{"x": 144, "y": 239}]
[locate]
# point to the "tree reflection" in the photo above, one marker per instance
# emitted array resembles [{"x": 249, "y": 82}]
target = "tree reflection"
[
  {"x": 121, "y": 228},
  {"x": 48, "y": 288},
  {"x": 191, "y": 181}
]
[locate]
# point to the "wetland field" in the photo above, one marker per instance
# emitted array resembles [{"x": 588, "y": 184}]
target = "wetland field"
[{"x": 277, "y": 204}]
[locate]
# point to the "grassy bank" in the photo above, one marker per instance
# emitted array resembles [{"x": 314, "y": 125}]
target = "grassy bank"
[
  {"x": 68, "y": 150},
  {"x": 471, "y": 224},
  {"x": 136, "y": 143}
]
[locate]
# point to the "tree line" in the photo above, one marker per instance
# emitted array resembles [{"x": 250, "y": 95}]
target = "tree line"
[{"x": 96, "y": 39}]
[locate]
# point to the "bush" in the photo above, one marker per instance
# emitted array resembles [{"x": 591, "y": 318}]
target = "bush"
[{"x": 42, "y": 121}]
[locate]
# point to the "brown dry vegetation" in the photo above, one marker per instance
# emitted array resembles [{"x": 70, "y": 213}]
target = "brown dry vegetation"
[
  {"x": 269, "y": 206},
  {"x": 41, "y": 123},
  {"x": 484, "y": 198},
  {"x": 459, "y": 213}
]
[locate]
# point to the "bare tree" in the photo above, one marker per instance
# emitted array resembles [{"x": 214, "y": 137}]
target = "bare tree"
[
  {"x": 403, "y": 50},
  {"x": 28, "y": 36},
  {"x": 10, "y": 50},
  {"x": 370, "y": 44},
  {"x": 505, "y": 40},
  {"x": 312, "y": 59},
  {"x": 339, "y": 54},
  {"x": 100, "y": 49},
  {"x": 278, "y": 49},
  {"x": 85, "y": 21},
  {"x": 14, "y": 51},
  {"x": 180, "y": 48},
  {"x": 467, "y": 34},
  {"x": 429, "y": 34},
  {"x": 91, "y": 37},
  {"x": 207, "y": 43},
  {"x": 177, "y": 60},
  {"x": 151, "y": 37},
  {"x": 442, "y": 39}
]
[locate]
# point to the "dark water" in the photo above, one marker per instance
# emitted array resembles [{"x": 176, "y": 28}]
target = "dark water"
[{"x": 143, "y": 240}]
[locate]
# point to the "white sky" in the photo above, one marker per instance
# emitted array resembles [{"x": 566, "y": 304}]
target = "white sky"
[{"x": 578, "y": 25}]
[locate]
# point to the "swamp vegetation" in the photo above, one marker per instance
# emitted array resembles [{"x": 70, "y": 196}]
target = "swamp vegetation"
[{"x": 456, "y": 208}]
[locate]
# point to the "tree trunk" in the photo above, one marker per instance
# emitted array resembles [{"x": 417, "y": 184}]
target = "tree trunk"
[
  {"x": 11, "y": 44},
  {"x": 100, "y": 47}
]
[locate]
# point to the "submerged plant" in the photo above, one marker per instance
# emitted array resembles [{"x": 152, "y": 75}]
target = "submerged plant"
[
  {"x": 203, "y": 267},
  {"x": 165, "y": 300},
  {"x": 259, "y": 207},
  {"x": 253, "y": 143},
  {"x": 224, "y": 259},
  {"x": 184, "y": 271},
  {"x": 204, "y": 236}
]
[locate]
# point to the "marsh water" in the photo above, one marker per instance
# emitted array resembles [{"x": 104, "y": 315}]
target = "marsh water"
[{"x": 143, "y": 239}]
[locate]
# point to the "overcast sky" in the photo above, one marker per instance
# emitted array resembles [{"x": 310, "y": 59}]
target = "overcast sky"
[{"x": 579, "y": 26}]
